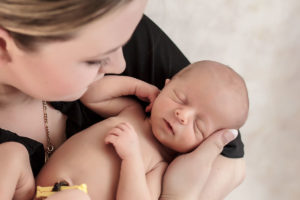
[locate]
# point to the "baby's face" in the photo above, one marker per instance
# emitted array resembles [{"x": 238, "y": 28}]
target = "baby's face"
[{"x": 190, "y": 109}]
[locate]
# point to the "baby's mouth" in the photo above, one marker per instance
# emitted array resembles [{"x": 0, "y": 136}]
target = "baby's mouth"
[{"x": 169, "y": 127}]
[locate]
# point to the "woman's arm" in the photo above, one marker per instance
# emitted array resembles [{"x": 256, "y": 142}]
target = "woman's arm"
[
  {"x": 190, "y": 175},
  {"x": 226, "y": 174}
]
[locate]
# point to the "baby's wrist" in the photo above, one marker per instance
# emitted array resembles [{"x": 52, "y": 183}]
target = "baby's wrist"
[{"x": 133, "y": 157}]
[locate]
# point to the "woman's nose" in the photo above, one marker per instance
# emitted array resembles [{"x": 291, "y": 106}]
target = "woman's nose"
[
  {"x": 182, "y": 116},
  {"x": 117, "y": 63}
]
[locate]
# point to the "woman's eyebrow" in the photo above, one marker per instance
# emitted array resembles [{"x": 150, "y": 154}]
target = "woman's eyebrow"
[
  {"x": 113, "y": 49},
  {"x": 110, "y": 51}
]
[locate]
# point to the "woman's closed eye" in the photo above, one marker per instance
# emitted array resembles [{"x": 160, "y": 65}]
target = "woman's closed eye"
[{"x": 98, "y": 63}]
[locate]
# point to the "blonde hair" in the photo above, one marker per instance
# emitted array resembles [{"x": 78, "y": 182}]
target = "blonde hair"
[{"x": 32, "y": 21}]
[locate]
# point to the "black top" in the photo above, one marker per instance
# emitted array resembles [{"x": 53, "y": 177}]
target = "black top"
[
  {"x": 151, "y": 56},
  {"x": 78, "y": 118}
]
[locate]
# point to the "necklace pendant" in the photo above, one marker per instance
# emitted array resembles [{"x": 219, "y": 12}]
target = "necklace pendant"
[
  {"x": 48, "y": 152},
  {"x": 50, "y": 149}
]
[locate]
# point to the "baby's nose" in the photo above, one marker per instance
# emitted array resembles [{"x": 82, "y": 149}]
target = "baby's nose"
[{"x": 182, "y": 116}]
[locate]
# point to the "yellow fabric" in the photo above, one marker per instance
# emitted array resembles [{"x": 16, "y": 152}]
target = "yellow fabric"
[{"x": 47, "y": 191}]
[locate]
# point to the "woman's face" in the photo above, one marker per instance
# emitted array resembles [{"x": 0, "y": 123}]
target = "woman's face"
[{"x": 63, "y": 71}]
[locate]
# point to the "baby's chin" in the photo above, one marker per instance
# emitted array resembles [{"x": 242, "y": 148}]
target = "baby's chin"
[
  {"x": 182, "y": 150},
  {"x": 187, "y": 149}
]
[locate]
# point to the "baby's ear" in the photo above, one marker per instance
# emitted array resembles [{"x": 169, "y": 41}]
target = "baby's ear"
[{"x": 167, "y": 81}]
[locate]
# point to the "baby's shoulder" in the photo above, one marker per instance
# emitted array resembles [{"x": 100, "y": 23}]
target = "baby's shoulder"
[{"x": 134, "y": 112}]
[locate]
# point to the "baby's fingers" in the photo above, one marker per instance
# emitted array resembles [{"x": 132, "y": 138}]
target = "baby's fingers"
[
  {"x": 124, "y": 126},
  {"x": 111, "y": 139},
  {"x": 149, "y": 107}
]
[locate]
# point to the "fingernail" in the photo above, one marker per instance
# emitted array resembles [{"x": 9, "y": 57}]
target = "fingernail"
[{"x": 230, "y": 135}]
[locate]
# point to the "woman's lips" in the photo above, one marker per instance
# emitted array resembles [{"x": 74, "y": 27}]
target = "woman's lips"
[{"x": 169, "y": 127}]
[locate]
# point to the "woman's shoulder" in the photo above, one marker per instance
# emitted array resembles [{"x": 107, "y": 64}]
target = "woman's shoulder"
[{"x": 35, "y": 149}]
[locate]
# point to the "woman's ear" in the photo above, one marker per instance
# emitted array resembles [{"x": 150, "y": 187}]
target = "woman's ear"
[{"x": 4, "y": 40}]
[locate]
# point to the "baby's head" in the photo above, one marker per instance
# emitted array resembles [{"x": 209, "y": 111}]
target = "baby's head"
[{"x": 199, "y": 100}]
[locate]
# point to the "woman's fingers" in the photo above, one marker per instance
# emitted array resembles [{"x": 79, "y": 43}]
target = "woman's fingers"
[
  {"x": 211, "y": 147},
  {"x": 187, "y": 174}
]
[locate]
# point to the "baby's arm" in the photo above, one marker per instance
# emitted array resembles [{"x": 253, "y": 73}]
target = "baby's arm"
[
  {"x": 17, "y": 181},
  {"x": 133, "y": 182},
  {"x": 102, "y": 96}
]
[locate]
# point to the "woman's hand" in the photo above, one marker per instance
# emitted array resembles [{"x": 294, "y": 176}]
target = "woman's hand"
[{"x": 187, "y": 175}]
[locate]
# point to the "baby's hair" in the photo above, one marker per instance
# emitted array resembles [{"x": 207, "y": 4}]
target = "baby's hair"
[{"x": 33, "y": 21}]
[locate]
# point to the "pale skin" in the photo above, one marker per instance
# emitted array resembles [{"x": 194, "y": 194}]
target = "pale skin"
[
  {"x": 143, "y": 158},
  {"x": 24, "y": 78}
]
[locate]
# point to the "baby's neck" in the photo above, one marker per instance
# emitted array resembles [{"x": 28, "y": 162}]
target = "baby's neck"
[
  {"x": 169, "y": 154},
  {"x": 166, "y": 152}
]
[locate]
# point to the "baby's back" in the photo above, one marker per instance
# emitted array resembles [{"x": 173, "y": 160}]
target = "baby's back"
[{"x": 85, "y": 158}]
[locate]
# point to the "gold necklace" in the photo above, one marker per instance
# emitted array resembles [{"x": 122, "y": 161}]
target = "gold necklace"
[{"x": 50, "y": 147}]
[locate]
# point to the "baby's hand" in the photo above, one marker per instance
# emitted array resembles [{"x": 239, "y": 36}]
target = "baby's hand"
[
  {"x": 125, "y": 140},
  {"x": 148, "y": 93}
]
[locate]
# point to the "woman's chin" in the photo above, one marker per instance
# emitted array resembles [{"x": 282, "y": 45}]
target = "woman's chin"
[{"x": 71, "y": 97}]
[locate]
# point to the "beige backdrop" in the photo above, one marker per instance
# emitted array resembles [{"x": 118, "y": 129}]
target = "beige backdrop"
[{"x": 260, "y": 39}]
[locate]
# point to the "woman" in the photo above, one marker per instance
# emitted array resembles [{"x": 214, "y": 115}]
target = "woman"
[{"x": 52, "y": 51}]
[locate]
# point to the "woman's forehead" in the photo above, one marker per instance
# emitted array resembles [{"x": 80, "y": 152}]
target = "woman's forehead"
[{"x": 104, "y": 34}]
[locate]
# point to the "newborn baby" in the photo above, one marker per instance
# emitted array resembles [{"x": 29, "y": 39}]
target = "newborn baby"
[{"x": 201, "y": 99}]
